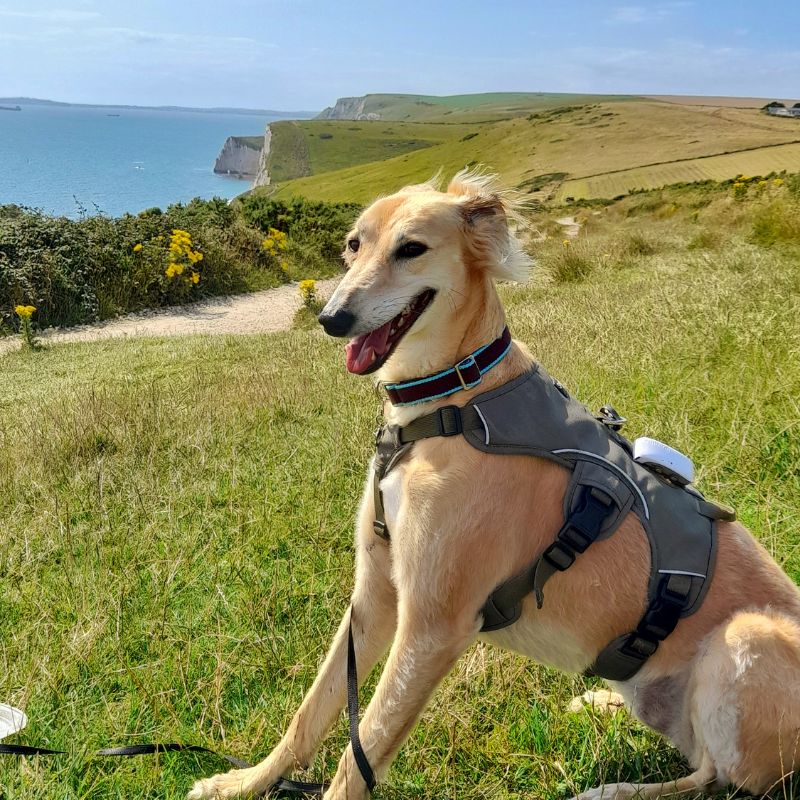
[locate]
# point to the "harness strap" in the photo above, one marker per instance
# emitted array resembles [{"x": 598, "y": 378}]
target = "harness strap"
[
  {"x": 392, "y": 441},
  {"x": 622, "y": 658},
  {"x": 582, "y": 527}
]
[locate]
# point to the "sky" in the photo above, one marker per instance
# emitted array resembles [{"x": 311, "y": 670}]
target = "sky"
[{"x": 302, "y": 54}]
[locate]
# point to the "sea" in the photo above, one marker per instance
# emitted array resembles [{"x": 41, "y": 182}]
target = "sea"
[{"x": 72, "y": 160}]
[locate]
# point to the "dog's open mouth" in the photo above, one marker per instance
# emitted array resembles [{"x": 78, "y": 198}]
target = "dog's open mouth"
[{"x": 369, "y": 351}]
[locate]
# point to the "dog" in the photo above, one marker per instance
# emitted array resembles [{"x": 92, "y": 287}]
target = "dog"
[{"x": 419, "y": 295}]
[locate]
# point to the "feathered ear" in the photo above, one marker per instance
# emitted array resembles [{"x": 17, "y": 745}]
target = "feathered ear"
[{"x": 486, "y": 212}]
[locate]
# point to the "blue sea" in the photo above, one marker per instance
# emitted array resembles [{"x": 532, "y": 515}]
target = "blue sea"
[{"x": 60, "y": 159}]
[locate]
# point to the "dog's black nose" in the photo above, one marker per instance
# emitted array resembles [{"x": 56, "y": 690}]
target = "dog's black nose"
[{"x": 337, "y": 324}]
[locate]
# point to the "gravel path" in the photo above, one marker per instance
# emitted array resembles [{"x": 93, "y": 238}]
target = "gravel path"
[
  {"x": 571, "y": 226},
  {"x": 258, "y": 312}
]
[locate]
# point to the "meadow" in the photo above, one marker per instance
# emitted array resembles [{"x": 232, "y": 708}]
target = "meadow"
[{"x": 178, "y": 513}]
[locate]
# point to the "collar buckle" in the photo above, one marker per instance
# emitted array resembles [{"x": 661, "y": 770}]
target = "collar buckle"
[{"x": 468, "y": 372}]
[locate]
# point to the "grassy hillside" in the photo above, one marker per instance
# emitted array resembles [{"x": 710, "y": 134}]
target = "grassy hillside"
[
  {"x": 177, "y": 544},
  {"x": 311, "y": 147},
  {"x": 584, "y": 149},
  {"x": 472, "y": 107}
]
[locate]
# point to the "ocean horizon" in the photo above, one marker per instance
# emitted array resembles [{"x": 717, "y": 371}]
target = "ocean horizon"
[{"x": 105, "y": 160}]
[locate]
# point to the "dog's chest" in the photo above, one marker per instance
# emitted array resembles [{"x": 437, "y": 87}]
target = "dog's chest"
[{"x": 392, "y": 494}]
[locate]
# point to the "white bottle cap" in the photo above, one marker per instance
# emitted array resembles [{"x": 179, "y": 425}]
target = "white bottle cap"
[{"x": 663, "y": 458}]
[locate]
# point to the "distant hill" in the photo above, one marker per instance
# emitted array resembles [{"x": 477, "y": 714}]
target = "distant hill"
[
  {"x": 550, "y": 147},
  {"x": 35, "y": 101},
  {"x": 452, "y": 108}
]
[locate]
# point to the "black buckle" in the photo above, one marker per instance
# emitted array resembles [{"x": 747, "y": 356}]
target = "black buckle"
[
  {"x": 448, "y": 421},
  {"x": 664, "y": 613},
  {"x": 639, "y": 647},
  {"x": 574, "y": 537},
  {"x": 380, "y": 528},
  {"x": 559, "y": 556}
]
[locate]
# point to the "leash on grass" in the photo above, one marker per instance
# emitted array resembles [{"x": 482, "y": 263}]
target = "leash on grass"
[{"x": 284, "y": 786}]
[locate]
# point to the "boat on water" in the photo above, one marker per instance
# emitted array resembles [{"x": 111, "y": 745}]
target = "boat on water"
[{"x": 10, "y": 108}]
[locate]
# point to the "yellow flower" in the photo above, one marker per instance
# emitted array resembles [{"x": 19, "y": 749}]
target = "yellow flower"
[
  {"x": 137, "y": 248},
  {"x": 178, "y": 269},
  {"x": 195, "y": 277},
  {"x": 763, "y": 183},
  {"x": 24, "y": 312},
  {"x": 170, "y": 271},
  {"x": 307, "y": 289},
  {"x": 284, "y": 265},
  {"x": 778, "y": 182},
  {"x": 565, "y": 242}
]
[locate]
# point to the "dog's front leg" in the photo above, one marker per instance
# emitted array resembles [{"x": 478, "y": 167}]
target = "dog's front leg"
[
  {"x": 421, "y": 655},
  {"x": 374, "y": 613}
]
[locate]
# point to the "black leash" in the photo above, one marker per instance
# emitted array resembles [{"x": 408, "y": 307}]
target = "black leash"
[{"x": 284, "y": 785}]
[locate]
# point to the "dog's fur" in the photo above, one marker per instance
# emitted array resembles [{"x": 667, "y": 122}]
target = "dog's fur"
[{"x": 724, "y": 687}]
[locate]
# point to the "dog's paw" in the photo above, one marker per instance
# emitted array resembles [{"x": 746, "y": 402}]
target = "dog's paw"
[
  {"x": 236, "y": 783},
  {"x": 609, "y": 791},
  {"x": 601, "y": 700}
]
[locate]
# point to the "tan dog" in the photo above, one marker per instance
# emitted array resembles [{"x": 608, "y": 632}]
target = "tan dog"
[{"x": 724, "y": 687}]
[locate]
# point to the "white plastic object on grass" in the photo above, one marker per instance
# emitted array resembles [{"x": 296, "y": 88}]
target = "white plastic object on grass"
[
  {"x": 12, "y": 720},
  {"x": 664, "y": 459}
]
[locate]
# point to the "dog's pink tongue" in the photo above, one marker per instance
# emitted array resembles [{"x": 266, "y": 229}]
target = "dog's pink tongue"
[{"x": 363, "y": 351}]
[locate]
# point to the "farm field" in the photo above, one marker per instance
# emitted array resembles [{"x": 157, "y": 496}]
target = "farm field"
[
  {"x": 762, "y": 161},
  {"x": 178, "y": 513},
  {"x": 539, "y": 151}
]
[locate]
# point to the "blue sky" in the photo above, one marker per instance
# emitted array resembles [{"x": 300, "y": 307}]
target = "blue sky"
[{"x": 303, "y": 54}]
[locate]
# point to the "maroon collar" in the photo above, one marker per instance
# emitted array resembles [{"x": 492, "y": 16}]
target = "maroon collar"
[{"x": 464, "y": 375}]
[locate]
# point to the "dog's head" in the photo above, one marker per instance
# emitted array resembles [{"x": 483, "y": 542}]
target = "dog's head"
[{"x": 418, "y": 262}]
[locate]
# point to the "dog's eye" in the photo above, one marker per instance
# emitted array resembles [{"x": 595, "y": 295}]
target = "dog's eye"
[
  {"x": 353, "y": 245},
  {"x": 411, "y": 250}
]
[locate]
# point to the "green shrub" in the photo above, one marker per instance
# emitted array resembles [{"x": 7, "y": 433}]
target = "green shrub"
[
  {"x": 316, "y": 230},
  {"x": 778, "y": 222}
]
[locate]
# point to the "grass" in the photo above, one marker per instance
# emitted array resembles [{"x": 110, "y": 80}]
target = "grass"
[
  {"x": 177, "y": 544},
  {"x": 582, "y": 148},
  {"x": 489, "y": 106},
  {"x": 310, "y": 147}
]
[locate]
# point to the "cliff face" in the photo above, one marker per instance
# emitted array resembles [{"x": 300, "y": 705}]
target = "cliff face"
[
  {"x": 262, "y": 175},
  {"x": 240, "y": 158},
  {"x": 348, "y": 108}
]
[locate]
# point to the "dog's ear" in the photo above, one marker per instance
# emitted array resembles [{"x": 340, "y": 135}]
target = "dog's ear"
[{"x": 485, "y": 215}]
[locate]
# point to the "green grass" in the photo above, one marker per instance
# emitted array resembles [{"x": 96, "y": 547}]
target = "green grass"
[
  {"x": 489, "y": 106},
  {"x": 311, "y": 147},
  {"x": 177, "y": 544}
]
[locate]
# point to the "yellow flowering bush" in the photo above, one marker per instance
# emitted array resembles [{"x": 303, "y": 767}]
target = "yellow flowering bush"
[
  {"x": 182, "y": 257},
  {"x": 308, "y": 291},
  {"x": 275, "y": 242},
  {"x": 739, "y": 189},
  {"x": 778, "y": 182},
  {"x": 25, "y": 327}
]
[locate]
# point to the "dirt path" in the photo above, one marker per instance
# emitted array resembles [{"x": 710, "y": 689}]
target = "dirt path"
[
  {"x": 571, "y": 227},
  {"x": 258, "y": 312}
]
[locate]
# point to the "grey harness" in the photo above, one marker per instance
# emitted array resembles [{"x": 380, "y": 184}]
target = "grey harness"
[{"x": 534, "y": 415}]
